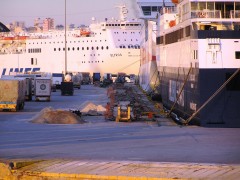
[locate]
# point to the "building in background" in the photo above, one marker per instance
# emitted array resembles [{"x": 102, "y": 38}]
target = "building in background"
[
  {"x": 17, "y": 26},
  {"x": 20, "y": 24},
  {"x": 48, "y": 24}
]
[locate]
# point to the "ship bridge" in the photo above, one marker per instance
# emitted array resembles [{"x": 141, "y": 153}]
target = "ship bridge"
[{"x": 149, "y": 9}]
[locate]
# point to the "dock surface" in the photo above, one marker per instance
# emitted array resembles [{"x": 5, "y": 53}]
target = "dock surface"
[
  {"x": 112, "y": 150},
  {"x": 90, "y": 169}
]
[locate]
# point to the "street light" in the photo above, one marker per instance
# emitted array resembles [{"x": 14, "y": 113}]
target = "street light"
[{"x": 65, "y": 64}]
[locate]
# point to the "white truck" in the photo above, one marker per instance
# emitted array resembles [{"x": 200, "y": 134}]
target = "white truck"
[
  {"x": 43, "y": 88},
  {"x": 12, "y": 94},
  {"x": 57, "y": 79}
]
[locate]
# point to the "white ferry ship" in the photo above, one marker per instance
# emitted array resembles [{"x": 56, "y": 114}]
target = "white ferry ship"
[
  {"x": 111, "y": 46},
  {"x": 198, "y": 59},
  {"x": 149, "y": 13}
]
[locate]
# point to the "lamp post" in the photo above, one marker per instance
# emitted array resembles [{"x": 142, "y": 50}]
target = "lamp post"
[{"x": 65, "y": 62}]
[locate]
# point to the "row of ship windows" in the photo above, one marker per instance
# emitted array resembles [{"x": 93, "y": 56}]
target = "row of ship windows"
[
  {"x": 75, "y": 41},
  {"x": 130, "y": 47},
  {"x": 34, "y": 61},
  {"x": 126, "y": 40},
  {"x": 123, "y": 24},
  {"x": 92, "y": 62},
  {"x": 97, "y": 48},
  {"x": 39, "y": 50},
  {"x": 174, "y": 36},
  {"x": 69, "y": 35},
  {"x": 126, "y": 32},
  {"x": 78, "y": 48},
  {"x": 35, "y": 50},
  {"x": 13, "y": 51},
  {"x": 67, "y": 42}
]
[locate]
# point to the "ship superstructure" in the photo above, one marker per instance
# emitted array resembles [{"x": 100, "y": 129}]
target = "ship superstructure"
[
  {"x": 198, "y": 53},
  {"x": 110, "y": 46}
]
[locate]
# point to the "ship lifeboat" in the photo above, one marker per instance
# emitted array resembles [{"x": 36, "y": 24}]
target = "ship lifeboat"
[
  {"x": 175, "y": 1},
  {"x": 8, "y": 38},
  {"x": 20, "y": 37},
  {"x": 84, "y": 32},
  {"x": 172, "y": 23}
]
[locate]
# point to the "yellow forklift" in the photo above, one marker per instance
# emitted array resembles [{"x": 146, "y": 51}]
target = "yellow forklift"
[{"x": 123, "y": 111}]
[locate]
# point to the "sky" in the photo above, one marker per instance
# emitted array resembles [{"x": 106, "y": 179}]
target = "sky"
[{"x": 78, "y": 11}]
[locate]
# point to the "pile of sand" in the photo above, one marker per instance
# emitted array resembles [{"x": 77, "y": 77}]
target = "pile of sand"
[
  {"x": 89, "y": 108},
  {"x": 51, "y": 116}
]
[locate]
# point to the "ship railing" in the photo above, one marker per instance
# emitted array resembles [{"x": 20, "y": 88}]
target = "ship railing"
[
  {"x": 235, "y": 14},
  {"x": 39, "y": 37},
  {"x": 206, "y": 14}
]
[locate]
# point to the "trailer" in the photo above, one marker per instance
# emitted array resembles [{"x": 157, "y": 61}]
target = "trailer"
[
  {"x": 57, "y": 79},
  {"x": 33, "y": 79},
  {"x": 28, "y": 91},
  {"x": 12, "y": 94},
  {"x": 43, "y": 88},
  {"x": 77, "y": 80},
  {"x": 28, "y": 88},
  {"x": 107, "y": 80},
  {"x": 96, "y": 77},
  {"x": 86, "y": 78}
]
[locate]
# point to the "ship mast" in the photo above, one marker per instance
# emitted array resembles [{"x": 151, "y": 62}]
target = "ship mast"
[{"x": 123, "y": 12}]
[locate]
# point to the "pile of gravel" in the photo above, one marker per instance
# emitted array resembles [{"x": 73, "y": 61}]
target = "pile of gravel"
[
  {"x": 50, "y": 116},
  {"x": 91, "y": 109}
]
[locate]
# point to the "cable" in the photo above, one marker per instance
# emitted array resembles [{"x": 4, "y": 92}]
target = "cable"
[
  {"x": 204, "y": 104},
  {"x": 128, "y": 66},
  {"x": 151, "y": 79},
  {"x": 185, "y": 81}
]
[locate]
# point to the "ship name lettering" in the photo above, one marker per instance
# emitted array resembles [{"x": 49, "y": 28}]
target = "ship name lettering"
[{"x": 116, "y": 54}]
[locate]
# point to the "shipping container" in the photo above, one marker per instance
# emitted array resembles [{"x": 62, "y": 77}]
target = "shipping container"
[
  {"x": 12, "y": 94},
  {"x": 43, "y": 88},
  {"x": 67, "y": 88}
]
